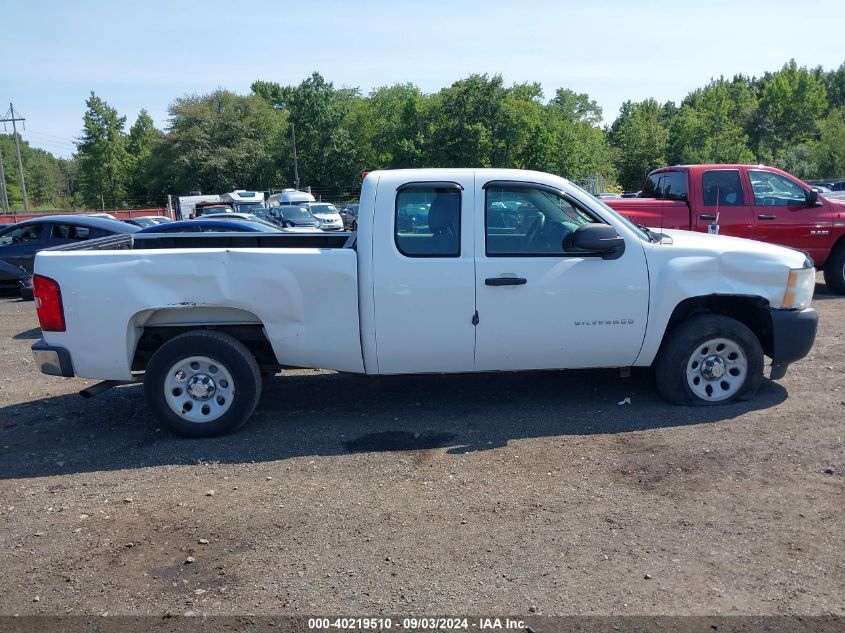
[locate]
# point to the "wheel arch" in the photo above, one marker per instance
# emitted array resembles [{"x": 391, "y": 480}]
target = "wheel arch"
[
  {"x": 751, "y": 311},
  {"x": 150, "y": 329}
]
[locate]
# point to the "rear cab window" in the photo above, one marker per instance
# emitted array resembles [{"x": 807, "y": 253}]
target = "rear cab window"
[
  {"x": 666, "y": 185},
  {"x": 427, "y": 220}
]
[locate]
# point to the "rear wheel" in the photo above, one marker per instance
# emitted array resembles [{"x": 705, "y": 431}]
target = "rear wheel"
[
  {"x": 709, "y": 360},
  {"x": 834, "y": 270},
  {"x": 202, "y": 384}
]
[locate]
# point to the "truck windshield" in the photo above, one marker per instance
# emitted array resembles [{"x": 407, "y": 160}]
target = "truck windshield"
[{"x": 296, "y": 213}]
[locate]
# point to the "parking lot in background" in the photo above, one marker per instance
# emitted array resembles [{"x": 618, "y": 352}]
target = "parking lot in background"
[{"x": 505, "y": 493}]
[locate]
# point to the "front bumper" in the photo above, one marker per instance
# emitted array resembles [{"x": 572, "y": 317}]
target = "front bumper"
[
  {"x": 793, "y": 335},
  {"x": 54, "y": 361}
]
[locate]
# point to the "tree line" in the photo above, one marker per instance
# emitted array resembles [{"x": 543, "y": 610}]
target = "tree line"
[{"x": 793, "y": 118}]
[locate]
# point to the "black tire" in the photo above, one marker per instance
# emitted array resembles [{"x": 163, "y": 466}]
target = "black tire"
[
  {"x": 27, "y": 293},
  {"x": 834, "y": 270},
  {"x": 354, "y": 225},
  {"x": 232, "y": 357},
  {"x": 686, "y": 339}
]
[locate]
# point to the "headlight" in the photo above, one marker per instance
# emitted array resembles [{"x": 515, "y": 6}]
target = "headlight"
[{"x": 799, "y": 288}]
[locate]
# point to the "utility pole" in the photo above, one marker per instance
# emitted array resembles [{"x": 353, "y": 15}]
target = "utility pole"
[
  {"x": 4, "y": 198},
  {"x": 295, "y": 163},
  {"x": 10, "y": 116}
]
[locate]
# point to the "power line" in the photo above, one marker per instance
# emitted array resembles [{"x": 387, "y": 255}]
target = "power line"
[{"x": 10, "y": 116}]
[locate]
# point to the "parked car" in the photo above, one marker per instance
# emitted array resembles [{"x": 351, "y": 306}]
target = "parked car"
[
  {"x": 752, "y": 201},
  {"x": 15, "y": 278},
  {"x": 607, "y": 196},
  {"x": 201, "y": 209},
  {"x": 213, "y": 225},
  {"x": 144, "y": 221},
  {"x": 295, "y": 215},
  {"x": 19, "y": 242},
  {"x": 349, "y": 215},
  {"x": 821, "y": 189},
  {"x": 327, "y": 214},
  {"x": 577, "y": 287}
]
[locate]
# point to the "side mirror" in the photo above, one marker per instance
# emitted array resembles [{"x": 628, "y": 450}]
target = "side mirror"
[
  {"x": 601, "y": 238},
  {"x": 811, "y": 197}
]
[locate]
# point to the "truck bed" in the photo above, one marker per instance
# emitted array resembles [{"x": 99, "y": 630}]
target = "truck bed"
[{"x": 299, "y": 289}]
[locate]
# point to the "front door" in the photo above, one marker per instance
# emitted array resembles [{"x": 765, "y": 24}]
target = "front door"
[
  {"x": 541, "y": 303},
  {"x": 423, "y": 283},
  {"x": 783, "y": 216}
]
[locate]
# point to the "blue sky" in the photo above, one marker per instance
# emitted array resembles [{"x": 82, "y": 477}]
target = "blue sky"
[{"x": 145, "y": 54}]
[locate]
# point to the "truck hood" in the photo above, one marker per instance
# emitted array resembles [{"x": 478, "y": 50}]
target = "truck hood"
[
  {"x": 693, "y": 264},
  {"x": 734, "y": 248}
]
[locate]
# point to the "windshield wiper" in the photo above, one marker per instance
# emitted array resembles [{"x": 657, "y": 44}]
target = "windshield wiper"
[{"x": 652, "y": 237}]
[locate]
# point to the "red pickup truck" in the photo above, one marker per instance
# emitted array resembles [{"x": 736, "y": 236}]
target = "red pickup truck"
[{"x": 753, "y": 201}]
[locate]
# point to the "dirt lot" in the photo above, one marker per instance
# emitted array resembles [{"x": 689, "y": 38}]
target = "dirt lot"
[{"x": 427, "y": 495}]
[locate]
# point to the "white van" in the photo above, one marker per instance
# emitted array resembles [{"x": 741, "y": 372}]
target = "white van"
[{"x": 287, "y": 197}]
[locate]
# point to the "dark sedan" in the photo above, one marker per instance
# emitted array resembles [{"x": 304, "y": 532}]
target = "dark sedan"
[
  {"x": 212, "y": 226},
  {"x": 19, "y": 242},
  {"x": 350, "y": 217}
]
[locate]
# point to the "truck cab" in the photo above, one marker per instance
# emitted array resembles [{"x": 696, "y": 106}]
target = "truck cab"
[{"x": 750, "y": 201}]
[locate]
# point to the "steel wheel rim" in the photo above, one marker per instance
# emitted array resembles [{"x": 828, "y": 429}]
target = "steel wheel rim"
[
  {"x": 717, "y": 369},
  {"x": 199, "y": 389}
]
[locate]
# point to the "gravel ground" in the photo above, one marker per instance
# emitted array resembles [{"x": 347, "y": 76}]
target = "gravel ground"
[{"x": 512, "y": 493}]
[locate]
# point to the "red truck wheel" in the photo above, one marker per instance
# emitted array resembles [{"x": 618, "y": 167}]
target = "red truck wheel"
[{"x": 834, "y": 269}]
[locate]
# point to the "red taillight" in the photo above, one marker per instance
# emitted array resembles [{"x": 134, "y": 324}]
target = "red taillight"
[{"x": 48, "y": 304}]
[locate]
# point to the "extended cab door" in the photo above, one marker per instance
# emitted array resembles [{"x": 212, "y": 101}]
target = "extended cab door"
[
  {"x": 423, "y": 274},
  {"x": 543, "y": 304}
]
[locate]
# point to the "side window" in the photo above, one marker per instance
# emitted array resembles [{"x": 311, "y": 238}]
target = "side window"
[
  {"x": 70, "y": 232},
  {"x": 428, "y": 220},
  {"x": 526, "y": 221},
  {"x": 722, "y": 187},
  {"x": 771, "y": 189},
  {"x": 666, "y": 185},
  {"x": 21, "y": 234}
]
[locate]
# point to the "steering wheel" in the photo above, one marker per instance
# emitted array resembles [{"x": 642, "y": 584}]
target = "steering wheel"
[
  {"x": 534, "y": 232},
  {"x": 17, "y": 240}
]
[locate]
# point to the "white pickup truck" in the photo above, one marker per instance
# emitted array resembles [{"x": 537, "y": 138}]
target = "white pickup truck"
[{"x": 451, "y": 270}]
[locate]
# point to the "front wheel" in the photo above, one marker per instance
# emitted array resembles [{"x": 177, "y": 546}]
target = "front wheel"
[
  {"x": 707, "y": 360},
  {"x": 834, "y": 270},
  {"x": 202, "y": 384}
]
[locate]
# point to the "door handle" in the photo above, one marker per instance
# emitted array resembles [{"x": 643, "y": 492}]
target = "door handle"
[
  {"x": 763, "y": 216},
  {"x": 707, "y": 217},
  {"x": 506, "y": 281}
]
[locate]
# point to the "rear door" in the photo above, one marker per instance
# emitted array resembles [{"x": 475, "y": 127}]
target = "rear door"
[
  {"x": 542, "y": 304},
  {"x": 423, "y": 280}
]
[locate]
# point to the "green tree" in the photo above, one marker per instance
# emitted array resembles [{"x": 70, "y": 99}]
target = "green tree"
[
  {"x": 708, "y": 127},
  {"x": 640, "y": 137},
  {"x": 102, "y": 155},
  {"x": 326, "y": 149},
  {"x": 219, "y": 142},
  {"x": 143, "y": 136},
  {"x": 791, "y": 102},
  {"x": 828, "y": 152}
]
